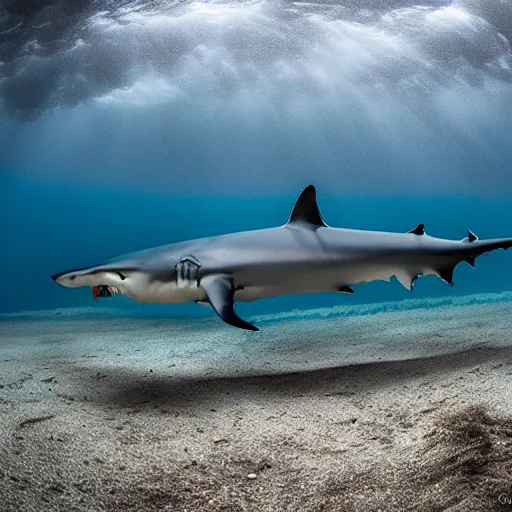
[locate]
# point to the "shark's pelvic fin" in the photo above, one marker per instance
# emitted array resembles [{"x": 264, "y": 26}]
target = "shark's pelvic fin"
[
  {"x": 406, "y": 280},
  {"x": 220, "y": 290},
  {"x": 418, "y": 230},
  {"x": 306, "y": 211},
  {"x": 446, "y": 274}
]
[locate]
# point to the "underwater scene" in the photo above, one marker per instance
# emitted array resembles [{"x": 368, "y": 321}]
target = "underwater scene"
[{"x": 255, "y": 255}]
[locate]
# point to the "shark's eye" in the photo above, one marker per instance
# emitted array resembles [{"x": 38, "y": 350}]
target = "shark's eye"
[
  {"x": 72, "y": 278},
  {"x": 121, "y": 276}
]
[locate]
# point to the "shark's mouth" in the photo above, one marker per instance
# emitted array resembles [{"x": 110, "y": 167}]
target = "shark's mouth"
[{"x": 102, "y": 291}]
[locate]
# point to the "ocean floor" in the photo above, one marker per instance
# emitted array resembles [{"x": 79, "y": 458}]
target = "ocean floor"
[{"x": 397, "y": 407}]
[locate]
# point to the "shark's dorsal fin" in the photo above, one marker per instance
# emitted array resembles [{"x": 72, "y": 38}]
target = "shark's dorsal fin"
[
  {"x": 418, "y": 230},
  {"x": 306, "y": 211},
  {"x": 220, "y": 290}
]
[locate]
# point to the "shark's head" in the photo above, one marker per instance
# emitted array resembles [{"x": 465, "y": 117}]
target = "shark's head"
[
  {"x": 143, "y": 283},
  {"x": 102, "y": 275}
]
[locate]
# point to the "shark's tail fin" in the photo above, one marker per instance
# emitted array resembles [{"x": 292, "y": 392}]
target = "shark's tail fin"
[
  {"x": 477, "y": 247},
  {"x": 472, "y": 248}
]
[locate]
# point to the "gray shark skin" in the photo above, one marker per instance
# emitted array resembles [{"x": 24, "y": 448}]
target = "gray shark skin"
[{"x": 302, "y": 256}]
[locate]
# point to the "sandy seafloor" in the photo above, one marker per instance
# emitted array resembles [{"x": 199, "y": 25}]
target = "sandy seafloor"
[{"x": 392, "y": 407}]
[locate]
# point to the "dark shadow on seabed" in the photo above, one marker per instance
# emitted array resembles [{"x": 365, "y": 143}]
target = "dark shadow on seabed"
[
  {"x": 99, "y": 430},
  {"x": 123, "y": 387}
]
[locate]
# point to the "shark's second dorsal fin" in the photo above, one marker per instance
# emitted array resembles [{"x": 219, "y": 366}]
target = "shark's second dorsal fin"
[
  {"x": 471, "y": 237},
  {"x": 306, "y": 211},
  {"x": 418, "y": 230}
]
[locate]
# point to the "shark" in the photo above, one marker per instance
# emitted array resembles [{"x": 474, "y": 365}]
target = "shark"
[{"x": 304, "y": 255}]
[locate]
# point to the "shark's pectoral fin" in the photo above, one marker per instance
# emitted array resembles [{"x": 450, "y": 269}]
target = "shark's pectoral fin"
[
  {"x": 346, "y": 289},
  {"x": 220, "y": 290}
]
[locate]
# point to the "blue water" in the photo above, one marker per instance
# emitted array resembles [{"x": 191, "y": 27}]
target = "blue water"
[
  {"x": 148, "y": 127},
  {"x": 52, "y": 227}
]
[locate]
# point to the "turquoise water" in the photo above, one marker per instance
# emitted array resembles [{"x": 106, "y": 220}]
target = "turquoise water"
[
  {"x": 162, "y": 124},
  {"x": 53, "y": 226}
]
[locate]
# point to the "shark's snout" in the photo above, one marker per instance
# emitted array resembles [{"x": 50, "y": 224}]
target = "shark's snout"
[
  {"x": 64, "y": 278},
  {"x": 59, "y": 278},
  {"x": 71, "y": 278},
  {"x": 91, "y": 276}
]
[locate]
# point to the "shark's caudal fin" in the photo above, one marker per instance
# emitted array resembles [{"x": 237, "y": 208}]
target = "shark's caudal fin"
[
  {"x": 220, "y": 290},
  {"x": 446, "y": 273},
  {"x": 306, "y": 211},
  {"x": 470, "y": 249},
  {"x": 474, "y": 246}
]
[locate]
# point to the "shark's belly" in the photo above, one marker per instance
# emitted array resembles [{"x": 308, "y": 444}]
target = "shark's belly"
[
  {"x": 163, "y": 293},
  {"x": 329, "y": 279},
  {"x": 250, "y": 293}
]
